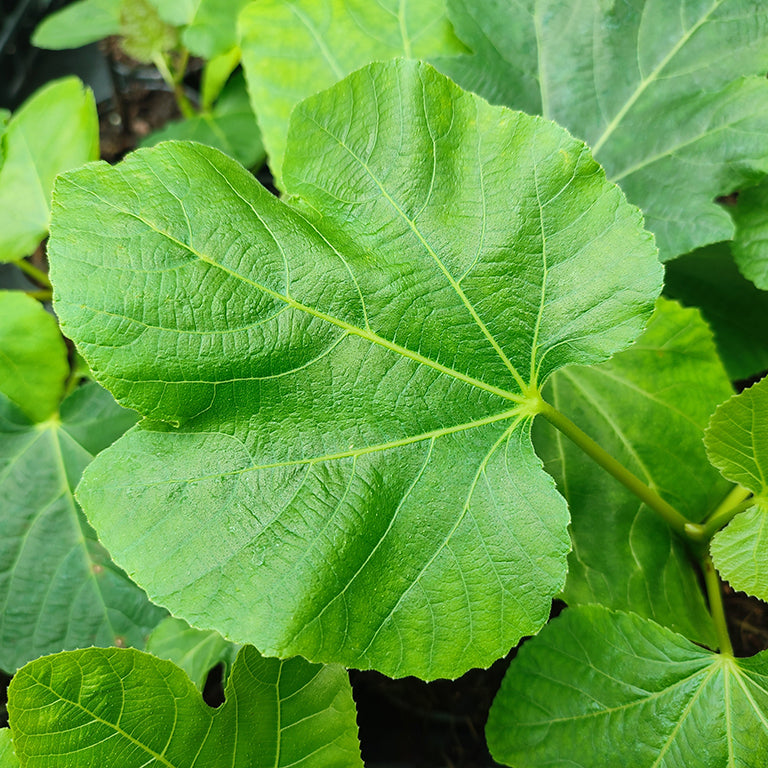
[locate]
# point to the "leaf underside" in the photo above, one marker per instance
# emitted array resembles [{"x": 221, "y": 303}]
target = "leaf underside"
[
  {"x": 337, "y": 386},
  {"x": 58, "y": 587},
  {"x": 637, "y": 81},
  {"x": 597, "y": 688},
  {"x": 648, "y": 407}
]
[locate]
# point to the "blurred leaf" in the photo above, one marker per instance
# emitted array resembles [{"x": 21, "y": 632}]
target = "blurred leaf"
[
  {"x": 231, "y": 127},
  {"x": 750, "y": 244},
  {"x": 33, "y": 356},
  {"x": 78, "y": 24},
  {"x": 54, "y": 130}
]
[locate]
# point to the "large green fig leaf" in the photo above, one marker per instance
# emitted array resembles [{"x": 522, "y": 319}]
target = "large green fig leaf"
[
  {"x": 648, "y": 407},
  {"x": 122, "y": 707},
  {"x": 311, "y": 44},
  {"x": 674, "y": 126},
  {"x": 58, "y": 587},
  {"x": 339, "y": 388},
  {"x": 29, "y": 336},
  {"x": 196, "y": 651},
  {"x": 597, "y": 689},
  {"x": 733, "y": 307},
  {"x": 54, "y": 130},
  {"x": 737, "y": 444}
]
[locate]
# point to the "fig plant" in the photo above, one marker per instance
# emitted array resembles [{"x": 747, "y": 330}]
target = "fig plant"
[{"x": 385, "y": 418}]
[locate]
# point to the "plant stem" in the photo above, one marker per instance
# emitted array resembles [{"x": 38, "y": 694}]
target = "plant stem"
[
  {"x": 46, "y": 294},
  {"x": 36, "y": 274},
  {"x": 647, "y": 495},
  {"x": 715, "y": 597},
  {"x": 738, "y": 500},
  {"x": 174, "y": 81}
]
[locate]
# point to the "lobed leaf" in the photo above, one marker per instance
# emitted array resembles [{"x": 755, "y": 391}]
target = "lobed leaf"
[
  {"x": 54, "y": 130},
  {"x": 733, "y": 307},
  {"x": 602, "y": 689},
  {"x": 340, "y": 386},
  {"x": 314, "y": 43},
  {"x": 196, "y": 651},
  {"x": 122, "y": 707},
  {"x": 58, "y": 587},
  {"x": 29, "y": 335},
  {"x": 637, "y": 81},
  {"x": 648, "y": 407}
]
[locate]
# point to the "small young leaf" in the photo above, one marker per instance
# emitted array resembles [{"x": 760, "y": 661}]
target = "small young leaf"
[
  {"x": 196, "y": 651},
  {"x": 314, "y": 43},
  {"x": 648, "y": 407},
  {"x": 733, "y": 307},
  {"x": 599, "y": 689},
  {"x": 230, "y": 127},
  {"x": 340, "y": 385},
  {"x": 54, "y": 130},
  {"x": 637, "y": 81},
  {"x": 737, "y": 438},
  {"x": 740, "y": 551},
  {"x": 122, "y": 707},
  {"x": 58, "y": 587},
  {"x": 144, "y": 34},
  {"x": 737, "y": 444},
  {"x": 33, "y": 356},
  {"x": 78, "y": 24}
]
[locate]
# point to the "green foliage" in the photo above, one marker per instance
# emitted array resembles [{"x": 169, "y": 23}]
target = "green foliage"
[
  {"x": 637, "y": 81},
  {"x": 196, "y": 651},
  {"x": 337, "y": 389},
  {"x": 736, "y": 311},
  {"x": 54, "y": 130},
  {"x": 408, "y": 372},
  {"x": 145, "y": 36},
  {"x": 230, "y": 126},
  {"x": 311, "y": 44},
  {"x": 59, "y": 588},
  {"x": 28, "y": 334},
  {"x": 79, "y": 23},
  {"x": 8, "y": 758},
  {"x": 737, "y": 445},
  {"x": 592, "y": 678},
  {"x": 276, "y": 713},
  {"x": 648, "y": 406}
]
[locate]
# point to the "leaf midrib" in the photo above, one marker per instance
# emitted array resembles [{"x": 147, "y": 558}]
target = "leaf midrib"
[
  {"x": 363, "y": 333},
  {"x": 651, "y": 78}
]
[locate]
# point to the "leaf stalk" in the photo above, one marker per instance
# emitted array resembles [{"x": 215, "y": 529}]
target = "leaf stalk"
[
  {"x": 36, "y": 274},
  {"x": 646, "y": 494},
  {"x": 716, "y": 608}
]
